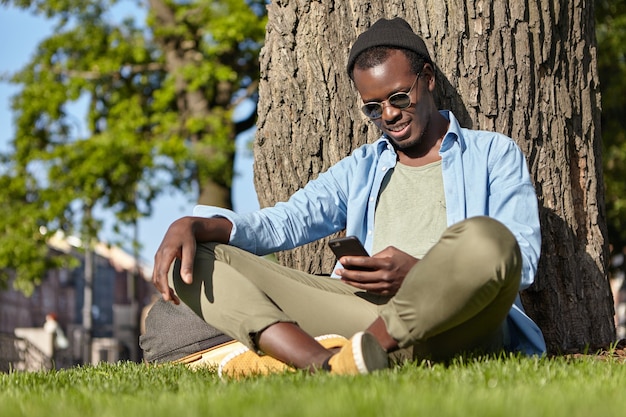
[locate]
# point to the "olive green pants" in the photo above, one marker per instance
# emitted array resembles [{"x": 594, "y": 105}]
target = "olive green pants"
[{"x": 454, "y": 300}]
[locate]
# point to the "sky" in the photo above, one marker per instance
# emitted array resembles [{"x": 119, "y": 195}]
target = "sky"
[{"x": 21, "y": 33}]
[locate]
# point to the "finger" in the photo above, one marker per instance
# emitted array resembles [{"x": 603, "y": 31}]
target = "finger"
[
  {"x": 167, "y": 293},
  {"x": 360, "y": 276},
  {"x": 160, "y": 281},
  {"x": 173, "y": 296},
  {"x": 160, "y": 273},
  {"x": 359, "y": 262},
  {"x": 187, "y": 260}
]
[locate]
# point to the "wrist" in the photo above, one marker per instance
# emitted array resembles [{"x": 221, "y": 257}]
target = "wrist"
[{"x": 211, "y": 229}]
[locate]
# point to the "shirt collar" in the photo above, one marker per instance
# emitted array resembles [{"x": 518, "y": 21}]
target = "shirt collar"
[{"x": 454, "y": 134}]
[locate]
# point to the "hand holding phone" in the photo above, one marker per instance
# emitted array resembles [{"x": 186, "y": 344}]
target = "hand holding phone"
[
  {"x": 391, "y": 272},
  {"x": 347, "y": 246}
]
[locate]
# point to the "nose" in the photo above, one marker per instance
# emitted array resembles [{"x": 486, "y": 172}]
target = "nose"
[{"x": 390, "y": 113}]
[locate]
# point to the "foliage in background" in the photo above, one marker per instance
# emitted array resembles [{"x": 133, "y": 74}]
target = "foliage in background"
[
  {"x": 159, "y": 97},
  {"x": 611, "y": 36}
]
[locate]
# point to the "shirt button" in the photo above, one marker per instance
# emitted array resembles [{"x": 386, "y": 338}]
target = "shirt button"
[
  {"x": 384, "y": 169},
  {"x": 369, "y": 232}
]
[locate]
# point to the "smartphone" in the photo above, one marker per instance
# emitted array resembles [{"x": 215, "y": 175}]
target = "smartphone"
[{"x": 344, "y": 246}]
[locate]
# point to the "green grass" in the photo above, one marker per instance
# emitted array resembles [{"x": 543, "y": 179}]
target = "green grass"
[{"x": 488, "y": 387}]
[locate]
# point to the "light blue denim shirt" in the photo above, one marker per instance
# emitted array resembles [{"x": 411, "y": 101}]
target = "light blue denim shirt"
[{"x": 484, "y": 174}]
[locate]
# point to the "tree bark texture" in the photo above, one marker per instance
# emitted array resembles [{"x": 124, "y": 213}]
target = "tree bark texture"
[{"x": 525, "y": 69}]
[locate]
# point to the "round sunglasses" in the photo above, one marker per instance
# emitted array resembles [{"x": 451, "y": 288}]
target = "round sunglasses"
[{"x": 400, "y": 100}]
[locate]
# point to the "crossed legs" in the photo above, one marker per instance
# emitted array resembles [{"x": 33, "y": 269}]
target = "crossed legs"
[{"x": 454, "y": 299}]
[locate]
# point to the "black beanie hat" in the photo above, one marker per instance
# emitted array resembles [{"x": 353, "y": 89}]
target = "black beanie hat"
[{"x": 394, "y": 32}]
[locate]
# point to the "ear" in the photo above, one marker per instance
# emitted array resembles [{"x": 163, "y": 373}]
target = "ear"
[{"x": 428, "y": 72}]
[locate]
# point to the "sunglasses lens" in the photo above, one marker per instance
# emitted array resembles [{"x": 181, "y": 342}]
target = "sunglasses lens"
[
  {"x": 373, "y": 110},
  {"x": 400, "y": 100}
]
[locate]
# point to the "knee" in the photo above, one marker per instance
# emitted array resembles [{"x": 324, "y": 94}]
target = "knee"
[
  {"x": 487, "y": 235},
  {"x": 489, "y": 243}
]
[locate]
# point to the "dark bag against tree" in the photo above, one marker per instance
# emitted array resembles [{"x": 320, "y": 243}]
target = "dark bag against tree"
[{"x": 173, "y": 332}]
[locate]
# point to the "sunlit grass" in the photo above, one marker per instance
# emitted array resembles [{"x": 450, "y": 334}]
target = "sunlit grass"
[{"x": 489, "y": 387}]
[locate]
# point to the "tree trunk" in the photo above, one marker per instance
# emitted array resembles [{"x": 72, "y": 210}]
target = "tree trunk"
[
  {"x": 193, "y": 103},
  {"x": 526, "y": 69}
]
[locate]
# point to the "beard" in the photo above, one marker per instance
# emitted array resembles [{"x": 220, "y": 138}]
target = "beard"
[{"x": 410, "y": 143}]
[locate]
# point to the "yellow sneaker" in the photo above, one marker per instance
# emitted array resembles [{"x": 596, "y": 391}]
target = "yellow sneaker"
[
  {"x": 332, "y": 341},
  {"x": 210, "y": 358},
  {"x": 244, "y": 362},
  {"x": 361, "y": 356}
]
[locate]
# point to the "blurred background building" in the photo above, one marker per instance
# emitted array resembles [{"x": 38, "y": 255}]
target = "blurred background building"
[{"x": 120, "y": 292}]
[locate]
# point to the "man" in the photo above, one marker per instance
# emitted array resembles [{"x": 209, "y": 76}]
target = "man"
[{"x": 449, "y": 214}]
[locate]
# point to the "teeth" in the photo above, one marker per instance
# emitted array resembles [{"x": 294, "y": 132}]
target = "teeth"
[{"x": 398, "y": 128}]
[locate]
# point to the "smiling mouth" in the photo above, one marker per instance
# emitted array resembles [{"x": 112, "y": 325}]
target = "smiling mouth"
[{"x": 398, "y": 128}]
